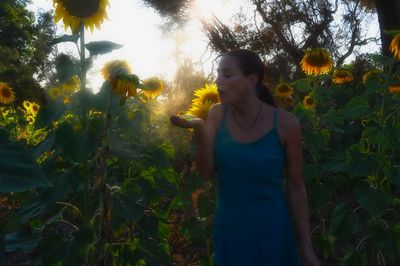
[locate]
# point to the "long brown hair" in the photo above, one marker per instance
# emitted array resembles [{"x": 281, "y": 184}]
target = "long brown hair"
[{"x": 249, "y": 63}]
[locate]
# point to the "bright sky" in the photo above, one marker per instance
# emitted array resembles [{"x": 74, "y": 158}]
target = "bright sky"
[
  {"x": 136, "y": 26},
  {"x": 149, "y": 53}
]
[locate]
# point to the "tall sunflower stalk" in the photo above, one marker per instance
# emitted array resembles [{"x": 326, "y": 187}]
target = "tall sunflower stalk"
[
  {"x": 315, "y": 62},
  {"x": 82, "y": 55}
]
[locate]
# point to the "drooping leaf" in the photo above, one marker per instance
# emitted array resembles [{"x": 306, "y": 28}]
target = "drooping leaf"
[
  {"x": 66, "y": 38},
  {"x": 49, "y": 113},
  {"x": 101, "y": 47},
  {"x": 18, "y": 170},
  {"x": 374, "y": 200},
  {"x": 17, "y": 241},
  {"x": 357, "y": 107}
]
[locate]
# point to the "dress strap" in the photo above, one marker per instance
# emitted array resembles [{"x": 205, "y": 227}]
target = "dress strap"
[{"x": 275, "y": 118}]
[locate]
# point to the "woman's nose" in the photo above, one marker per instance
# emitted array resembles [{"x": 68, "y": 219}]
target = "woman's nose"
[{"x": 217, "y": 80}]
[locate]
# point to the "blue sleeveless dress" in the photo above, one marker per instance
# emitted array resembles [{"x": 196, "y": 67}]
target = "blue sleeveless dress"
[{"x": 252, "y": 225}]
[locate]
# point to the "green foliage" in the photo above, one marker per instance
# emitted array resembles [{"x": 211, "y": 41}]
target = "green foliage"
[
  {"x": 351, "y": 167},
  {"x": 25, "y": 46}
]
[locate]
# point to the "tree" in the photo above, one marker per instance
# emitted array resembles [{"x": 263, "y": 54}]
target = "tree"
[
  {"x": 389, "y": 19},
  {"x": 280, "y": 30},
  {"x": 25, "y": 46}
]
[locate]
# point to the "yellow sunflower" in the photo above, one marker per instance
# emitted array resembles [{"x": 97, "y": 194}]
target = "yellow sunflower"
[
  {"x": 308, "y": 102},
  {"x": 316, "y": 61},
  {"x": 124, "y": 86},
  {"x": 341, "y": 76},
  {"x": 154, "y": 86},
  {"x": 31, "y": 110},
  {"x": 54, "y": 93},
  {"x": 371, "y": 73},
  {"x": 71, "y": 86},
  {"x": 284, "y": 90},
  {"x": 207, "y": 94},
  {"x": 200, "y": 110},
  {"x": 72, "y": 12},
  {"x": 395, "y": 89},
  {"x": 7, "y": 95},
  {"x": 114, "y": 68},
  {"x": 395, "y": 46}
]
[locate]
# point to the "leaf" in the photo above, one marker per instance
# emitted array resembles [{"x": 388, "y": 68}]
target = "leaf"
[
  {"x": 127, "y": 206},
  {"x": 66, "y": 38},
  {"x": 43, "y": 146},
  {"x": 77, "y": 145},
  {"x": 338, "y": 217},
  {"x": 18, "y": 170},
  {"x": 101, "y": 47},
  {"x": 303, "y": 85},
  {"x": 123, "y": 149},
  {"x": 376, "y": 135},
  {"x": 49, "y": 113},
  {"x": 391, "y": 32},
  {"x": 360, "y": 163},
  {"x": 336, "y": 162},
  {"x": 374, "y": 201},
  {"x": 357, "y": 107},
  {"x": 16, "y": 241}
]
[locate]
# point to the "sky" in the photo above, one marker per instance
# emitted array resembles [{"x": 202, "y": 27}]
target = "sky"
[{"x": 149, "y": 51}]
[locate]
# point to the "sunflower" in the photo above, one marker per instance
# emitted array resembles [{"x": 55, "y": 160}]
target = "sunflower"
[
  {"x": 7, "y": 95},
  {"x": 154, "y": 86},
  {"x": 70, "y": 86},
  {"x": 308, "y": 102},
  {"x": 316, "y": 61},
  {"x": 207, "y": 94},
  {"x": 54, "y": 93},
  {"x": 124, "y": 86},
  {"x": 31, "y": 110},
  {"x": 114, "y": 68},
  {"x": 395, "y": 88},
  {"x": 371, "y": 73},
  {"x": 342, "y": 76},
  {"x": 90, "y": 12},
  {"x": 284, "y": 90},
  {"x": 395, "y": 46},
  {"x": 200, "y": 110}
]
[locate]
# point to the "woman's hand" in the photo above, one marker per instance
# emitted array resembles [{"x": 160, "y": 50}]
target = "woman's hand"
[
  {"x": 308, "y": 257},
  {"x": 182, "y": 122}
]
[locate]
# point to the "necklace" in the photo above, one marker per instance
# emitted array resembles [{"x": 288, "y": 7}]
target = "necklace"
[{"x": 258, "y": 114}]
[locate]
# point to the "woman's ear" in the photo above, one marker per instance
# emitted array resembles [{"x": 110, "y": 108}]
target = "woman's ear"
[{"x": 253, "y": 79}]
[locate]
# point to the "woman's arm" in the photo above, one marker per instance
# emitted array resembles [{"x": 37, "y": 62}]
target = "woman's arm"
[
  {"x": 296, "y": 189},
  {"x": 204, "y": 135}
]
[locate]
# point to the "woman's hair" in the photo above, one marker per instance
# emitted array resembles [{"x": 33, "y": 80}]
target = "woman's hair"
[{"x": 249, "y": 63}]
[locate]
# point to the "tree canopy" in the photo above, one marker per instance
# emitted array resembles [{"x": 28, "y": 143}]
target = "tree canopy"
[{"x": 25, "y": 46}]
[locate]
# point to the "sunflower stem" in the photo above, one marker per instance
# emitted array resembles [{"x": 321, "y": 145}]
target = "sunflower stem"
[{"x": 82, "y": 55}]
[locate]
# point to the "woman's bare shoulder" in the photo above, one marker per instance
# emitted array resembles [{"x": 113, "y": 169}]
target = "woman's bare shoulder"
[
  {"x": 288, "y": 126},
  {"x": 287, "y": 119}
]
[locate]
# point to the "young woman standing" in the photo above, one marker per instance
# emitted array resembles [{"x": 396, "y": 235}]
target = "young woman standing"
[{"x": 252, "y": 145}]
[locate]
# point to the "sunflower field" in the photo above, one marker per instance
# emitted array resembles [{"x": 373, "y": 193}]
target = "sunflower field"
[{"x": 105, "y": 179}]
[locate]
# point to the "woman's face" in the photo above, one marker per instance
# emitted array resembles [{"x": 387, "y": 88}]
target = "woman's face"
[{"x": 232, "y": 84}]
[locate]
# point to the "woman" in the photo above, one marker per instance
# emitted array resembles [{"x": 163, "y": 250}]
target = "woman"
[{"x": 249, "y": 143}]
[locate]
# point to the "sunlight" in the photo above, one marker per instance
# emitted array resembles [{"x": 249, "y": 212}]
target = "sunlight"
[{"x": 205, "y": 9}]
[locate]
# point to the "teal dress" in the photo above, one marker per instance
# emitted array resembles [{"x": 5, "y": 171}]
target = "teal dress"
[{"x": 252, "y": 225}]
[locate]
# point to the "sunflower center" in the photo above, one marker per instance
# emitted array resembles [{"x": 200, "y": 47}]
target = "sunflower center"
[
  {"x": 318, "y": 58},
  {"x": 6, "y": 93},
  {"x": 284, "y": 88},
  {"x": 82, "y": 8}
]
